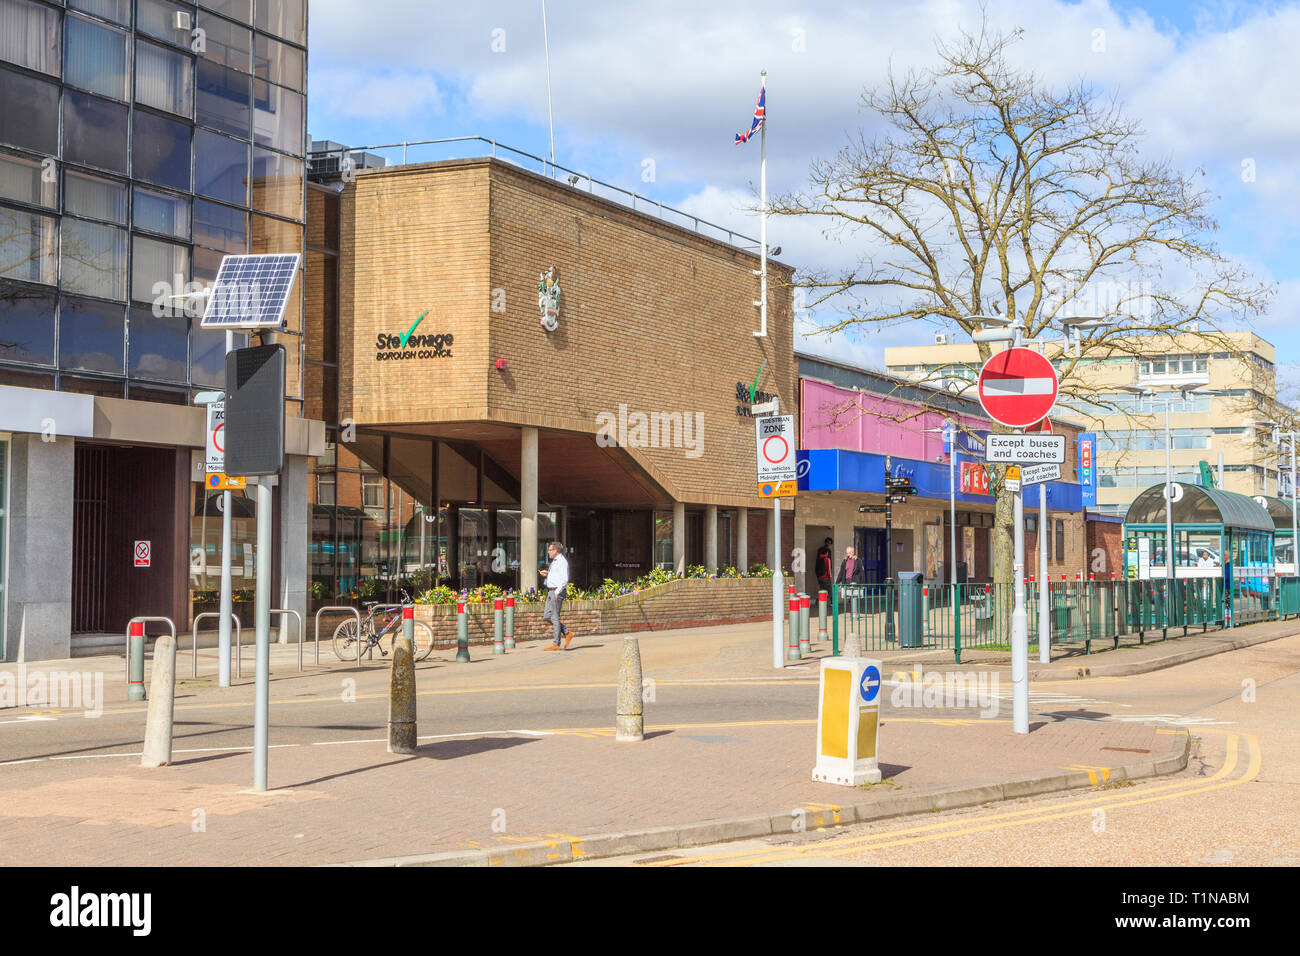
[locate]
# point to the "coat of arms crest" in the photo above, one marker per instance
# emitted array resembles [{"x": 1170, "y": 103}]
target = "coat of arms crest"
[{"x": 548, "y": 299}]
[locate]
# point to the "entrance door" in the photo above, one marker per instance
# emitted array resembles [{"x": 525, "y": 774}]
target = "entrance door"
[
  {"x": 870, "y": 543},
  {"x": 125, "y": 496}
]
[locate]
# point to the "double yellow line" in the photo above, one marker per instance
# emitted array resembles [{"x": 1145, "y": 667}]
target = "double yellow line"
[{"x": 999, "y": 820}]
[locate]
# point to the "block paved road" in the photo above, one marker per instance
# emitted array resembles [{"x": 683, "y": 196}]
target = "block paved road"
[
  {"x": 1236, "y": 804},
  {"x": 528, "y": 735}
]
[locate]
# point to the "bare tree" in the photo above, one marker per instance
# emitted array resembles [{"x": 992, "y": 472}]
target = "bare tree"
[{"x": 988, "y": 193}]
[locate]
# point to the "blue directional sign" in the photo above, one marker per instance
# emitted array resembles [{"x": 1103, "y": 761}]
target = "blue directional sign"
[{"x": 870, "y": 684}]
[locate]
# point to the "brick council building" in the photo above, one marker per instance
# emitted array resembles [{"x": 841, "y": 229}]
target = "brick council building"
[{"x": 479, "y": 432}]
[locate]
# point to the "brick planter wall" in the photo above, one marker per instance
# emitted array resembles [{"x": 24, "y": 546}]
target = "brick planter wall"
[{"x": 688, "y": 602}]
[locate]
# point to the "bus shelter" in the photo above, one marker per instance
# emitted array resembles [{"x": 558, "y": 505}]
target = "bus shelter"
[
  {"x": 1221, "y": 538},
  {"x": 1279, "y": 510}
]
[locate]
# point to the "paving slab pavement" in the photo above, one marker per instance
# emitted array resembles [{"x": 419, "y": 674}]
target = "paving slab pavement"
[{"x": 526, "y": 793}]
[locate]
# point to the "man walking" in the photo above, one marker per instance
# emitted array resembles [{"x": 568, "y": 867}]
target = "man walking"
[
  {"x": 557, "y": 579},
  {"x": 852, "y": 571}
]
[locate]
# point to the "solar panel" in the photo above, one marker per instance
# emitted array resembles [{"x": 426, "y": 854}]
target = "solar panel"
[{"x": 251, "y": 292}]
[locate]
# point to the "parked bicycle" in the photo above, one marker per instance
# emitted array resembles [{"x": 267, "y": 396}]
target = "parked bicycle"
[{"x": 379, "y": 622}]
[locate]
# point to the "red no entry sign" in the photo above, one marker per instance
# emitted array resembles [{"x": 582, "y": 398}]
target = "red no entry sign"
[{"x": 1018, "y": 387}]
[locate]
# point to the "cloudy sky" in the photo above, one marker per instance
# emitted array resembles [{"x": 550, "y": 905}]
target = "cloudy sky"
[{"x": 649, "y": 96}]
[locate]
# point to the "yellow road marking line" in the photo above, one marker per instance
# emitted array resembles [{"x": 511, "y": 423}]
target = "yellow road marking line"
[
  {"x": 1086, "y": 802},
  {"x": 1044, "y": 814}
]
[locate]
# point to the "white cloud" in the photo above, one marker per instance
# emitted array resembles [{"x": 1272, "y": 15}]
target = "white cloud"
[{"x": 357, "y": 93}]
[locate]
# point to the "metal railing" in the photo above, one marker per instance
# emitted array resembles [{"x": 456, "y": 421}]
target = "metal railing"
[
  {"x": 961, "y": 617},
  {"x": 338, "y": 608},
  {"x": 239, "y": 663},
  {"x": 549, "y": 168},
  {"x": 194, "y": 637},
  {"x": 145, "y": 619}
]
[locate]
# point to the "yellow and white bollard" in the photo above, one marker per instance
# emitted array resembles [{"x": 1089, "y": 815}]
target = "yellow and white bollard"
[{"x": 848, "y": 721}]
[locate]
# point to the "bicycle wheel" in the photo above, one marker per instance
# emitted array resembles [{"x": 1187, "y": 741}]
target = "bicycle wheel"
[
  {"x": 423, "y": 640},
  {"x": 345, "y": 641}
]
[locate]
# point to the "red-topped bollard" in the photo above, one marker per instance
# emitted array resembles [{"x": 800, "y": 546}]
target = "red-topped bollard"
[
  {"x": 135, "y": 662},
  {"x": 805, "y": 604},
  {"x": 510, "y": 623},
  {"x": 462, "y": 633},
  {"x": 822, "y": 598},
  {"x": 792, "y": 640},
  {"x": 498, "y": 627}
]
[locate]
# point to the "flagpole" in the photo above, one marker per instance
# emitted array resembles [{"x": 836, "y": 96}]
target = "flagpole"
[
  {"x": 550, "y": 119},
  {"x": 762, "y": 201}
]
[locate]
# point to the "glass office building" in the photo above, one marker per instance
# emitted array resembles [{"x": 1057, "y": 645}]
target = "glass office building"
[{"x": 140, "y": 142}]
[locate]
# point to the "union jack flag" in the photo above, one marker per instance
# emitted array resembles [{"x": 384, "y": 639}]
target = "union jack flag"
[{"x": 760, "y": 114}]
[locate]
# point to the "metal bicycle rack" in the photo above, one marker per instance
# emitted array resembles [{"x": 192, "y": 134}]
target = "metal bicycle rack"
[
  {"x": 145, "y": 619},
  {"x": 194, "y": 643},
  {"x": 349, "y": 610},
  {"x": 239, "y": 668}
]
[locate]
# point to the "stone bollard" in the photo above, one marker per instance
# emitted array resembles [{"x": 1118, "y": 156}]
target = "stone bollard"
[
  {"x": 135, "y": 662},
  {"x": 510, "y": 623},
  {"x": 792, "y": 630},
  {"x": 462, "y": 633},
  {"x": 805, "y": 647},
  {"x": 498, "y": 627},
  {"x": 162, "y": 700},
  {"x": 822, "y": 634},
  {"x": 401, "y": 688},
  {"x": 631, "y": 710}
]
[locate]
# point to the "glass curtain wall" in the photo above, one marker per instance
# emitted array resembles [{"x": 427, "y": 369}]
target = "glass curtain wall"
[{"x": 140, "y": 141}]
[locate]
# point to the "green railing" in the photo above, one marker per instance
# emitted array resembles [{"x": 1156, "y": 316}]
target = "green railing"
[{"x": 957, "y": 617}]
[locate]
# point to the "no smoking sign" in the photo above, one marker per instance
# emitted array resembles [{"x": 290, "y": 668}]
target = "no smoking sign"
[{"x": 143, "y": 554}]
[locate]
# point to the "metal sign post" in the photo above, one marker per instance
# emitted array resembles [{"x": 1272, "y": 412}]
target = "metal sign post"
[
  {"x": 774, "y": 450},
  {"x": 1020, "y": 629},
  {"x": 252, "y": 291},
  {"x": 1044, "y": 586}
]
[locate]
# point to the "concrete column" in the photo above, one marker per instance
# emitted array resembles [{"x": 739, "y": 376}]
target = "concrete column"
[
  {"x": 742, "y": 539},
  {"x": 528, "y": 509},
  {"x": 294, "y": 529},
  {"x": 679, "y": 537},
  {"x": 802, "y": 577},
  {"x": 38, "y": 624},
  {"x": 711, "y": 538}
]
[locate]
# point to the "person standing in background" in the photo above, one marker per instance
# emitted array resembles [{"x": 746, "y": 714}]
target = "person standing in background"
[{"x": 823, "y": 564}]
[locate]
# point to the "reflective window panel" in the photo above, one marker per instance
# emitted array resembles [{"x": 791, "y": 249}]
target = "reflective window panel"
[
  {"x": 91, "y": 335},
  {"x": 160, "y": 151},
  {"x": 164, "y": 79},
  {"x": 94, "y": 196},
  {"x": 92, "y": 258},
  {"x": 157, "y": 346},
  {"x": 27, "y": 179},
  {"x": 94, "y": 131},
  {"x": 26, "y": 246},
  {"x": 26, "y": 324},
  {"x": 220, "y": 168},
  {"x": 29, "y": 35},
  {"x": 30, "y": 118},
  {"x": 96, "y": 58}
]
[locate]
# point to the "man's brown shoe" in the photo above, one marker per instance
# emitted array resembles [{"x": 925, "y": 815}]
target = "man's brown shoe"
[
  {"x": 552, "y": 647},
  {"x": 568, "y": 639}
]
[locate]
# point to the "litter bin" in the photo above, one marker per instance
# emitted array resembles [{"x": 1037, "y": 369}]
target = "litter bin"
[{"x": 911, "y": 619}]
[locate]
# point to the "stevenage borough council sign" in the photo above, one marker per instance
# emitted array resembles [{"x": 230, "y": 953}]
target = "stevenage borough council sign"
[{"x": 408, "y": 345}]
